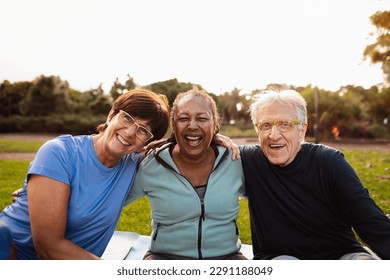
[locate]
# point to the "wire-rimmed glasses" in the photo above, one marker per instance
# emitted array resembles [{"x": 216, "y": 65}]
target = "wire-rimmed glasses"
[{"x": 141, "y": 132}]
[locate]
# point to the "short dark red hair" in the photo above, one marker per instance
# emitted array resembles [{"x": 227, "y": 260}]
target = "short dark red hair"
[{"x": 143, "y": 104}]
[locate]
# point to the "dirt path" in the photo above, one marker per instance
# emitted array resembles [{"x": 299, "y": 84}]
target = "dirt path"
[
  {"x": 358, "y": 145},
  {"x": 29, "y": 137}
]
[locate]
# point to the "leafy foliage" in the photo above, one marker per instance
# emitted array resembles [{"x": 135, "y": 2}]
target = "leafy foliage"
[
  {"x": 47, "y": 95},
  {"x": 49, "y": 105},
  {"x": 171, "y": 88},
  {"x": 117, "y": 88},
  {"x": 379, "y": 52},
  {"x": 11, "y": 95}
]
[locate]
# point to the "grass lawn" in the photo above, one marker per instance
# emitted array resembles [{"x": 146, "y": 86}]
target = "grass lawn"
[
  {"x": 19, "y": 146},
  {"x": 373, "y": 167}
]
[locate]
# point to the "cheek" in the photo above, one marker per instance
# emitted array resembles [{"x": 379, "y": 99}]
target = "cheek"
[
  {"x": 175, "y": 128},
  {"x": 262, "y": 138},
  {"x": 294, "y": 147},
  {"x": 212, "y": 131}
]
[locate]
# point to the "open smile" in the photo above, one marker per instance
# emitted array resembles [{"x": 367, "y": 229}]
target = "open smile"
[
  {"x": 277, "y": 146},
  {"x": 122, "y": 140},
  {"x": 193, "y": 140}
]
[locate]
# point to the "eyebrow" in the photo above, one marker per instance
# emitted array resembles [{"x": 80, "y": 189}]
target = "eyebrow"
[{"x": 196, "y": 114}]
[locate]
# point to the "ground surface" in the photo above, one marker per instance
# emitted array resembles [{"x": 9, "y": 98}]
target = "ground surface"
[{"x": 342, "y": 143}]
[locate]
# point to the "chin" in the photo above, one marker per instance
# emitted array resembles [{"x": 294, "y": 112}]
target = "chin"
[{"x": 277, "y": 162}]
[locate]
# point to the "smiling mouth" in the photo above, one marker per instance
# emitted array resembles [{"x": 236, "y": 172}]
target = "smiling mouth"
[
  {"x": 122, "y": 140},
  {"x": 193, "y": 140},
  {"x": 277, "y": 146}
]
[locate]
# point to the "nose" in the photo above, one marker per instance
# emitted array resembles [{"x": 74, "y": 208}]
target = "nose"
[
  {"x": 131, "y": 130},
  {"x": 275, "y": 133},
  {"x": 193, "y": 123}
]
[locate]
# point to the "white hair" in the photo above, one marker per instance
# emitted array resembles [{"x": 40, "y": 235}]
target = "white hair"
[{"x": 285, "y": 97}]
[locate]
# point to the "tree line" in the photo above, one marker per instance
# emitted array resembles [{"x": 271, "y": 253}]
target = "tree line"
[{"x": 49, "y": 105}]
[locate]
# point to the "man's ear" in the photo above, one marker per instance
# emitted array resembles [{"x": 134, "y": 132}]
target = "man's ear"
[{"x": 302, "y": 132}]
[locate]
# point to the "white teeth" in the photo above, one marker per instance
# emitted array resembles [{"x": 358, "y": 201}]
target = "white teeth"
[
  {"x": 193, "y": 140},
  {"x": 123, "y": 141},
  {"x": 276, "y": 146}
]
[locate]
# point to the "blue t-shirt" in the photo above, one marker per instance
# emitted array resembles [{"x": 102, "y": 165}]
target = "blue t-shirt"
[{"x": 97, "y": 194}]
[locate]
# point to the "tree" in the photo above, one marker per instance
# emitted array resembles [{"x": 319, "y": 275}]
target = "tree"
[
  {"x": 101, "y": 105},
  {"x": 346, "y": 110},
  {"x": 379, "y": 52},
  {"x": 47, "y": 95},
  {"x": 117, "y": 88},
  {"x": 234, "y": 107},
  {"x": 11, "y": 95},
  {"x": 171, "y": 88},
  {"x": 228, "y": 102}
]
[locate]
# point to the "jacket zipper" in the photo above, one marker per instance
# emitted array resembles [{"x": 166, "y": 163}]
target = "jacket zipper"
[
  {"x": 200, "y": 225},
  {"x": 155, "y": 233},
  {"x": 202, "y": 212}
]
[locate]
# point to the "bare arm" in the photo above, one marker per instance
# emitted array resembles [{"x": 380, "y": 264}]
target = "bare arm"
[{"x": 48, "y": 203}]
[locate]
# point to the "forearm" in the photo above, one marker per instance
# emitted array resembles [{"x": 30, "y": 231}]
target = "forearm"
[{"x": 62, "y": 250}]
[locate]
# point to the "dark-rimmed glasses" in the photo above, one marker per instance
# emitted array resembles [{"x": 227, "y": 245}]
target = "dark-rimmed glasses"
[
  {"x": 142, "y": 133},
  {"x": 281, "y": 125}
]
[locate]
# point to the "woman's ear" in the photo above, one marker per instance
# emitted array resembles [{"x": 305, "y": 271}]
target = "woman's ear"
[{"x": 216, "y": 128}]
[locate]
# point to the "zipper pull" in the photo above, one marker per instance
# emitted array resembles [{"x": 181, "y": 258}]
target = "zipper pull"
[{"x": 202, "y": 216}]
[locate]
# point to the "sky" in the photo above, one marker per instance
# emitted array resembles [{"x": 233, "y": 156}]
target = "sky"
[{"x": 219, "y": 44}]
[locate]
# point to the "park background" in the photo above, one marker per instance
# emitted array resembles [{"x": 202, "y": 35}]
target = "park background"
[
  {"x": 63, "y": 63},
  {"x": 355, "y": 113}
]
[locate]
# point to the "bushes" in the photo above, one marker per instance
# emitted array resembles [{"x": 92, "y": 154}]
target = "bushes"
[
  {"x": 379, "y": 131},
  {"x": 72, "y": 124}
]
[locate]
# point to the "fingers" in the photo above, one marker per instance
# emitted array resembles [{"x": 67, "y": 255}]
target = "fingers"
[
  {"x": 236, "y": 152},
  {"x": 229, "y": 144},
  {"x": 15, "y": 194}
]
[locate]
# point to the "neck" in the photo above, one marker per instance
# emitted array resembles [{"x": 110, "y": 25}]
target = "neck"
[
  {"x": 203, "y": 159},
  {"x": 196, "y": 170},
  {"x": 103, "y": 156}
]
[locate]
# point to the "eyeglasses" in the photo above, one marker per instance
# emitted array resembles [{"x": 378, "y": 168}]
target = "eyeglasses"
[
  {"x": 141, "y": 132},
  {"x": 281, "y": 125}
]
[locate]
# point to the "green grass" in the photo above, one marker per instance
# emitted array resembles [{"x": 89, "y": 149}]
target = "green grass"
[
  {"x": 19, "y": 146},
  {"x": 12, "y": 173},
  {"x": 373, "y": 168}
]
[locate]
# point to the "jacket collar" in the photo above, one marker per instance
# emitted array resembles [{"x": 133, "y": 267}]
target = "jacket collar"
[{"x": 164, "y": 157}]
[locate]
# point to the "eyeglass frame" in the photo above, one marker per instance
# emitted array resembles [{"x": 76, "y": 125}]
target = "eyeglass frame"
[
  {"x": 134, "y": 123},
  {"x": 277, "y": 123}
]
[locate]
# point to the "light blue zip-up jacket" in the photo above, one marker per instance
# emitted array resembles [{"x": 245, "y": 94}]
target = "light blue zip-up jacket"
[{"x": 182, "y": 223}]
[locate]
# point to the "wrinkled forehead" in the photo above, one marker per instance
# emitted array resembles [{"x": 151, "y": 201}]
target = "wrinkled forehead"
[
  {"x": 193, "y": 104},
  {"x": 276, "y": 111}
]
